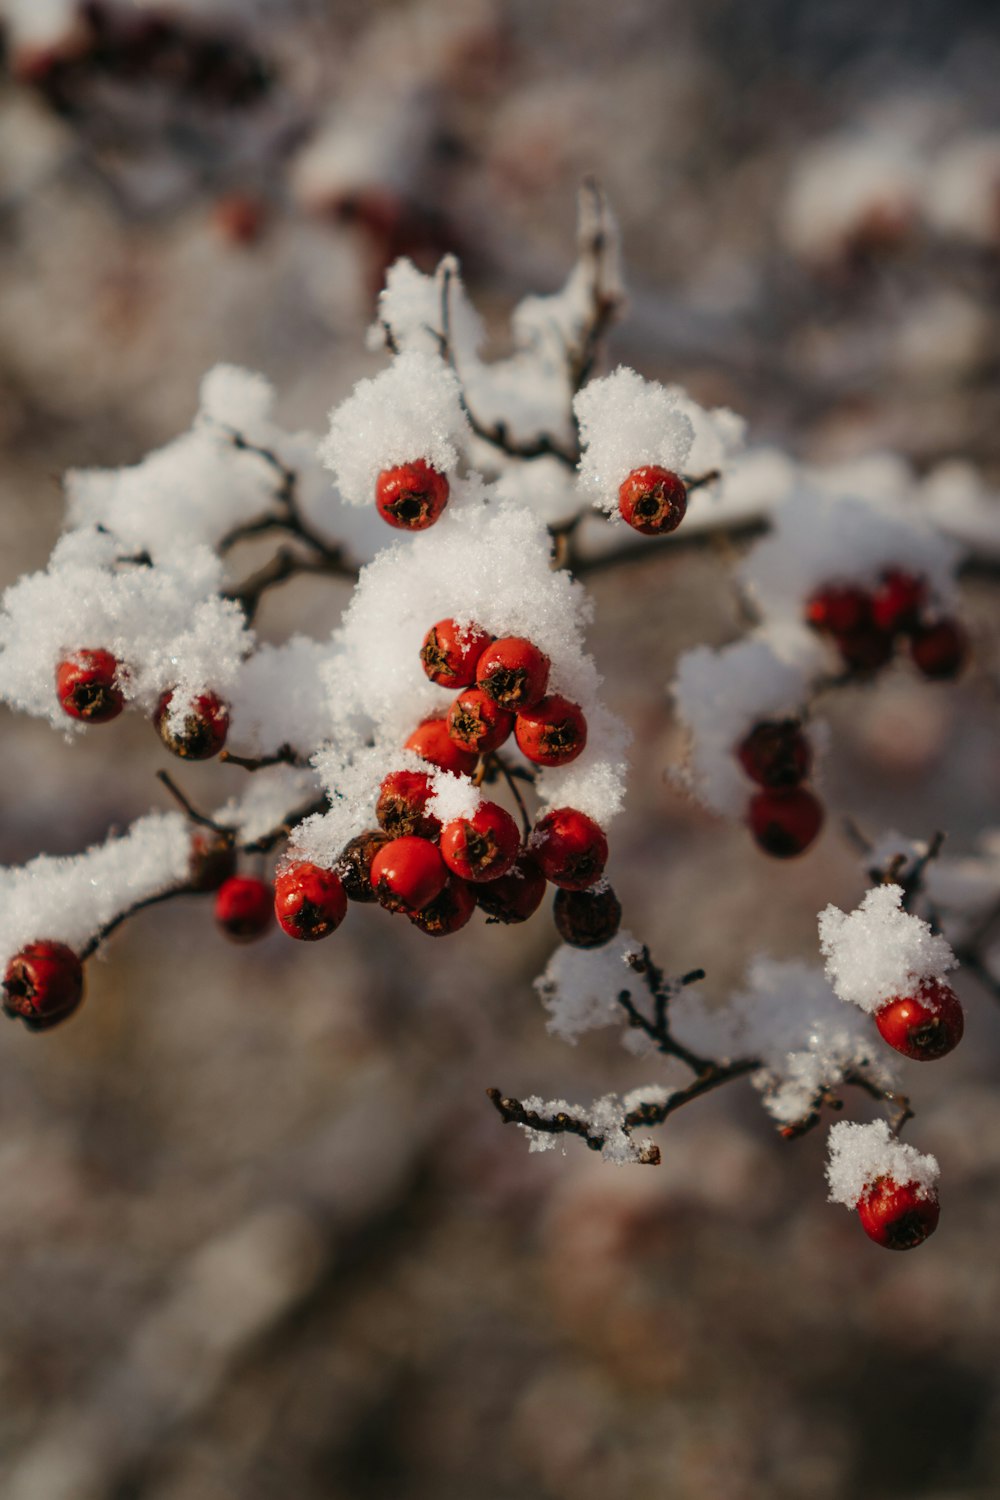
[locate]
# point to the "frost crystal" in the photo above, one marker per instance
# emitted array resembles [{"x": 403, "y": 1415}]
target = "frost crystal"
[
  {"x": 880, "y": 950},
  {"x": 861, "y": 1154}
]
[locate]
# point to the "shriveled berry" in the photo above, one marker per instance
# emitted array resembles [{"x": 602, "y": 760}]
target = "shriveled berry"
[
  {"x": 898, "y": 1215},
  {"x": 587, "y": 919},
  {"x": 213, "y": 859},
  {"x": 552, "y": 733},
  {"x": 653, "y": 500},
  {"x": 244, "y": 908},
  {"x": 201, "y": 733},
  {"x": 514, "y": 673},
  {"x": 785, "y": 822},
  {"x": 516, "y": 896},
  {"x": 309, "y": 901},
  {"x": 402, "y": 805},
  {"x": 87, "y": 686},
  {"x": 866, "y": 649},
  {"x": 898, "y": 600},
  {"x": 451, "y": 652},
  {"x": 482, "y": 847},
  {"x": 43, "y": 984},
  {"x": 355, "y": 864},
  {"x": 571, "y": 848},
  {"x": 407, "y": 874},
  {"x": 475, "y": 722},
  {"x": 941, "y": 650},
  {"x": 776, "y": 753},
  {"x": 432, "y": 742},
  {"x": 411, "y": 496},
  {"x": 448, "y": 912},
  {"x": 837, "y": 608},
  {"x": 925, "y": 1025}
]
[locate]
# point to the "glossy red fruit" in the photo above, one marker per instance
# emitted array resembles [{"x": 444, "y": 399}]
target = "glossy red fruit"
[
  {"x": 482, "y": 847},
  {"x": 475, "y": 722},
  {"x": 514, "y": 673},
  {"x": 407, "y": 874},
  {"x": 899, "y": 1216},
  {"x": 571, "y": 848},
  {"x": 653, "y": 500},
  {"x": 401, "y": 808},
  {"x": 785, "y": 822},
  {"x": 516, "y": 896},
  {"x": 451, "y": 651},
  {"x": 213, "y": 860},
  {"x": 43, "y": 985},
  {"x": 202, "y": 731},
  {"x": 411, "y": 496},
  {"x": 355, "y": 864},
  {"x": 941, "y": 650},
  {"x": 837, "y": 608},
  {"x": 552, "y": 733},
  {"x": 448, "y": 912},
  {"x": 776, "y": 753},
  {"x": 866, "y": 649},
  {"x": 309, "y": 902},
  {"x": 87, "y": 686},
  {"x": 925, "y": 1025},
  {"x": 898, "y": 600},
  {"x": 587, "y": 919},
  {"x": 432, "y": 742},
  {"x": 244, "y": 908}
]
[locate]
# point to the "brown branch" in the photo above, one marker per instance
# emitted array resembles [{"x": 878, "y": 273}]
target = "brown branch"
[
  {"x": 188, "y": 807},
  {"x": 284, "y": 756},
  {"x": 109, "y": 927},
  {"x": 497, "y": 761},
  {"x": 284, "y": 565}
]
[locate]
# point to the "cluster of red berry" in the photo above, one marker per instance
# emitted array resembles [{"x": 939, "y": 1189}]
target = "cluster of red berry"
[
  {"x": 865, "y": 625},
  {"x": 88, "y": 686},
  {"x": 784, "y": 816}
]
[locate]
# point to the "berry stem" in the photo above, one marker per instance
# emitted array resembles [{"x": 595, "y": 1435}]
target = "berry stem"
[{"x": 189, "y": 808}]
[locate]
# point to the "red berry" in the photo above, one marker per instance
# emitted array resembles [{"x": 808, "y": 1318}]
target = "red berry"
[
  {"x": 451, "y": 651},
  {"x": 514, "y": 673},
  {"x": 482, "y": 847},
  {"x": 202, "y": 731},
  {"x": 476, "y": 723},
  {"x": 653, "y": 500},
  {"x": 309, "y": 902},
  {"x": 86, "y": 686},
  {"x": 407, "y": 874},
  {"x": 516, "y": 896},
  {"x": 898, "y": 600},
  {"x": 776, "y": 753},
  {"x": 587, "y": 919},
  {"x": 244, "y": 908},
  {"x": 785, "y": 822},
  {"x": 925, "y": 1025},
  {"x": 866, "y": 649},
  {"x": 240, "y": 218},
  {"x": 43, "y": 984},
  {"x": 355, "y": 864},
  {"x": 402, "y": 803},
  {"x": 899, "y": 1216},
  {"x": 552, "y": 733},
  {"x": 838, "y": 608},
  {"x": 448, "y": 912},
  {"x": 411, "y": 496},
  {"x": 940, "y": 650},
  {"x": 432, "y": 742},
  {"x": 213, "y": 859},
  {"x": 571, "y": 848}
]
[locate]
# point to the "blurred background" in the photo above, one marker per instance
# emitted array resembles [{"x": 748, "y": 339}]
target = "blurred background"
[{"x": 261, "y": 1233}]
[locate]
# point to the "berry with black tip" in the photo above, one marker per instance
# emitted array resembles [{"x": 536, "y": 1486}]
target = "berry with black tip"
[
  {"x": 785, "y": 821},
  {"x": 432, "y": 742},
  {"x": 941, "y": 650},
  {"x": 587, "y": 919},
  {"x": 866, "y": 649},
  {"x": 476, "y": 724},
  {"x": 87, "y": 686},
  {"x": 516, "y": 896},
  {"x": 43, "y": 984},
  {"x": 925, "y": 1025},
  {"x": 309, "y": 901},
  {"x": 553, "y": 733},
  {"x": 451, "y": 652},
  {"x": 653, "y": 500},
  {"x": 448, "y": 912},
  {"x": 212, "y": 859},
  {"x": 411, "y": 496},
  {"x": 354, "y": 865},
  {"x": 482, "y": 847},
  {"x": 407, "y": 874},
  {"x": 898, "y": 1215},
  {"x": 571, "y": 848},
  {"x": 244, "y": 908},
  {"x": 776, "y": 753},
  {"x": 401, "y": 808},
  {"x": 201, "y": 731},
  {"x": 514, "y": 673}
]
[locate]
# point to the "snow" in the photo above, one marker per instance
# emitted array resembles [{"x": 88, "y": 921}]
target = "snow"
[
  {"x": 625, "y": 423},
  {"x": 860, "y": 1154},
  {"x": 880, "y": 950},
  {"x": 580, "y": 987}
]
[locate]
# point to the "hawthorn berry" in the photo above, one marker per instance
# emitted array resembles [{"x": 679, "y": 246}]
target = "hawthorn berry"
[
  {"x": 571, "y": 848},
  {"x": 587, "y": 919},
  {"x": 552, "y": 733},
  {"x": 244, "y": 907},
  {"x": 514, "y": 673},
  {"x": 940, "y": 650},
  {"x": 898, "y": 600},
  {"x": 482, "y": 847},
  {"x": 785, "y": 821},
  {"x": 866, "y": 649},
  {"x": 516, "y": 896},
  {"x": 451, "y": 652},
  {"x": 43, "y": 985},
  {"x": 355, "y": 864},
  {"x": 87, "y": 686},
  {"x": 202, "y": 731},
  {"x": 475, "y": 722},
  {"x": 407, "y": 874},
  {"x": 212, "y": 859},
  {"x": 448, "y": 912},
  {"x": 432, "y": 742},
  {"x": 402, "y": 803},
  {"x": 837, "y": 608},
  {"x": 776, "y": 753},
  {"x": 925, "y": 1025},
  {"x": 309, "y": 901},
  {"x": 411, "y": 496},
  {"x": 653, "y": 500},
  {"x": 898, "y": 1215}
]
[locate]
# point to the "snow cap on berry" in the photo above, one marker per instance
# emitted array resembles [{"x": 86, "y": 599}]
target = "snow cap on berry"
[
  {"x": 625, "y": 423},
  {"x": 861, "y": 1154},
  {"x": 879, "y": 950}
]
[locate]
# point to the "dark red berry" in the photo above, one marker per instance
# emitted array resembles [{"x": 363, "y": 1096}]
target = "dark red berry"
[
  {"x": 432, "y": 742},
  {"x": 87, "y": 686},
  {"x": 866, "y": 649},
  {"x": 213, "y": 859},
  {"x": 43, "y": 984},
  {"x": 514, "y": 673},
  {"x": 571, "y": 848},
  {"x": 925, "y": 1025},
  {"x": 785, "y": 822},
  {"x": 587, "y": 919},
  {"x": 476, "y": 723},
  {"x": 407, "y": 874},
  {"x": 482, "y": 847},
  {"x": 898, "y": 600},
  {"x": 448, "y": 912},
  {"x": 653, "y": 500},
  {"x": 552, "y": 733},
  {"x": 516, "y": 896},
  {"x": 899, "y": 1216},
  {"x": 836, "y": 609},
  {"x": 402, "y": 805},
  {"x": 240, "y": 218},
  {"x": 244, "y": 908},
  {"x": 309, "y": 902},
  {"x": 202, "y": 731},
  {"x": 776, "y": 753},
  {"x": 411, "y": 496},
  {"x": 451, "y": 651},
  {"x": 941, "y": 650},
  {"x": 355, "y": 864}
]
